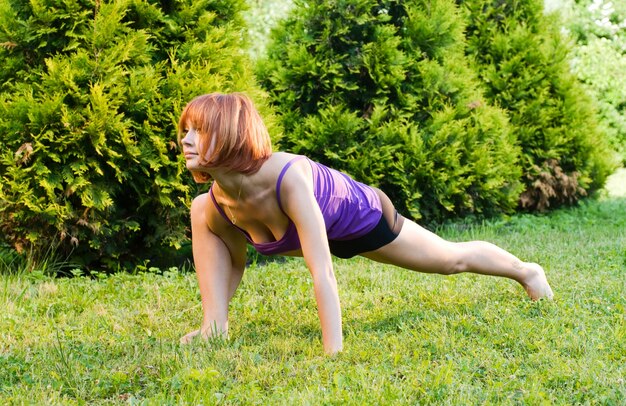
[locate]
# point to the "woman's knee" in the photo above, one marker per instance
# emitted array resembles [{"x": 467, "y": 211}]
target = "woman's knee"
[{"x": 457, "y": 260}]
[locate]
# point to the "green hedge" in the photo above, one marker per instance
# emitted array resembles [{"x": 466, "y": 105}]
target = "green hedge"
[
  {"x": 523, "y": 60},
  {"x": 90, "y": 94},
  {"x": 382, "y": 90}
]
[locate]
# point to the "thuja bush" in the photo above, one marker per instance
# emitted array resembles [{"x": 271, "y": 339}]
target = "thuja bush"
[
  {"x": 522, "y": 59},
  {"x": 382, "y": 91},
  {"x": 90, "y": 93}
]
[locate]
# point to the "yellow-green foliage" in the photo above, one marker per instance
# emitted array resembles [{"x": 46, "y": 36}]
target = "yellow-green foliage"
[
  {"x": 599, "y": 29},
  {"x": 90, "y": 93}
]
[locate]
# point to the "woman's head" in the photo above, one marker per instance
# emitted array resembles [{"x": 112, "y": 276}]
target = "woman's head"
[{"x": 230, "y": 133}]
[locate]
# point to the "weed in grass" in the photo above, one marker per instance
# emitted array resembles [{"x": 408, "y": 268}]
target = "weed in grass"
[{"x": 64, "y": 367}]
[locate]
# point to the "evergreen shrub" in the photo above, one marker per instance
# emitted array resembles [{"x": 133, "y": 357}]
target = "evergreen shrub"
[
  {"x": 90, "y": 94},
  {"x": 382, "y": 90},
  {"x": 522, "y": 59}
]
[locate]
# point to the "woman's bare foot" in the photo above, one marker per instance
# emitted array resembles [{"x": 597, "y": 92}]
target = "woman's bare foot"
[{"x": 536, "y": 283}]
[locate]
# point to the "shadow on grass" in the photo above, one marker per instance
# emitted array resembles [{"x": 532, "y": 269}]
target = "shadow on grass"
[{"x": 387, "y": 323}]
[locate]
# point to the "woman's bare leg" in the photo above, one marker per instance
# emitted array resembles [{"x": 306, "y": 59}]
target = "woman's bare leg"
[{"x": 420, "y": 250}]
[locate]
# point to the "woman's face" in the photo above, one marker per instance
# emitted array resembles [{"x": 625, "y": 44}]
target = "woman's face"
[{"x": 191, "y": 149}]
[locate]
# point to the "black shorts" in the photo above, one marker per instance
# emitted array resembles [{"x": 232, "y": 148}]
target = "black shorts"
[{"x": 387, "y": 229}]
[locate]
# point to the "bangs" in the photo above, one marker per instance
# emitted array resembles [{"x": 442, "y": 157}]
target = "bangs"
[{"x": 195, "y": 115}]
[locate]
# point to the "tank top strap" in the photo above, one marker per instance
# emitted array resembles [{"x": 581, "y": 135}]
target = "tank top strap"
[
  {"x": 217, "y": 206},
  {"x": 280, "y": 178}
]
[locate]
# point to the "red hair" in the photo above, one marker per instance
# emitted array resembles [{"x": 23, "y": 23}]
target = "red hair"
[{"x": 232, "y": 126}]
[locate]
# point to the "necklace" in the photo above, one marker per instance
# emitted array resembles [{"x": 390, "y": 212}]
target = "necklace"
[{"x": 232, "y": 216}]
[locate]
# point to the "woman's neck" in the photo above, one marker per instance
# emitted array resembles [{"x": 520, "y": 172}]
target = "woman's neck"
[{"x": 229, "y": 182}]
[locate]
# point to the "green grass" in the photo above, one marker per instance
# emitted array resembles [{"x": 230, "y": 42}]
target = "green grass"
[{"x": 409, "y": 337}]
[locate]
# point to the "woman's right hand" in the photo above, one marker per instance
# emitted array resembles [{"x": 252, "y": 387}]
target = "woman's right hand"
[
  {"x": 205, "y": 333},
  {"x": 188, "y": 338}
]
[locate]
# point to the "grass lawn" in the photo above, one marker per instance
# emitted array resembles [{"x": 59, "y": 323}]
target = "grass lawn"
[{"x": 409, "y": 337}]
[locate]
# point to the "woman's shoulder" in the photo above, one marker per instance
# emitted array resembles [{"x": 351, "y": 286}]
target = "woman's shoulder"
[
  {"x": 283, "y": 166},
  {"x": 283, "y": 157},
  {"x": 277, "y": 161}
]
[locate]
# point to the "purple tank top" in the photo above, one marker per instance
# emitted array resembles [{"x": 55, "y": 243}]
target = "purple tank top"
[{"x": 350, "y": 209}]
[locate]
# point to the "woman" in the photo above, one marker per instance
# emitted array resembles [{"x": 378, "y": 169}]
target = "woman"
[{"x": 288, "y": 205}]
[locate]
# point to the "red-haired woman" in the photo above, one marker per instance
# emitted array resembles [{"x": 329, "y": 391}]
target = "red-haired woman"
[{"x": 286, "y": 204}]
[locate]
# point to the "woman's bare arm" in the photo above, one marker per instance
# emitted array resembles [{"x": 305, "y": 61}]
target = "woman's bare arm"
[
  {"x": 219, "y": 263},
  {"x": 300, "y": 205}
]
